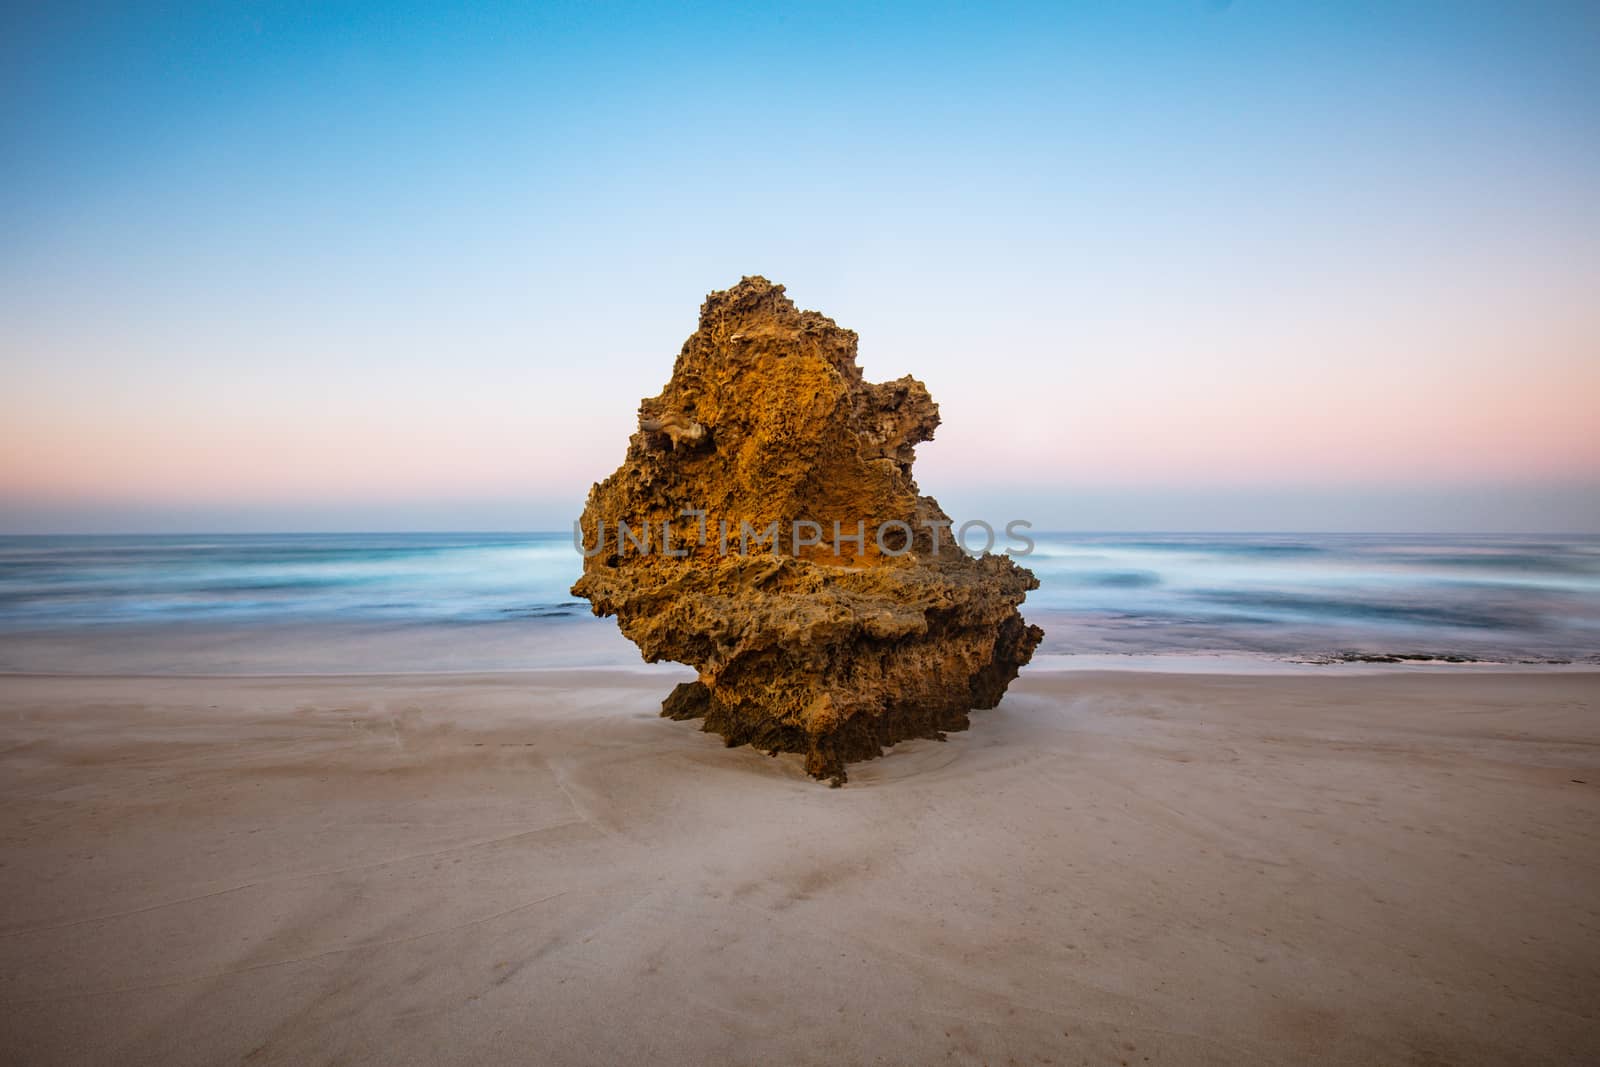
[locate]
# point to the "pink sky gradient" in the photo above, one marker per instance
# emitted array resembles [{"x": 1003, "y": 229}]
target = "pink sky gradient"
[{"x": 282, "y": 270}]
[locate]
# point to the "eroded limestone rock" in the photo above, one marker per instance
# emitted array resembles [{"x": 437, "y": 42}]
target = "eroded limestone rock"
[{"x": 834, "y": 650}]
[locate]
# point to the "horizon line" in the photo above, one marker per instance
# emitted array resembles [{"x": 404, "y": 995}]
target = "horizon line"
[{"x": 1034, "y": 530}]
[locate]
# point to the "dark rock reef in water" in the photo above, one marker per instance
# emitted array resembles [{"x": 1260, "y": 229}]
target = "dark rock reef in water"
[{"x": 833, "y": 649}]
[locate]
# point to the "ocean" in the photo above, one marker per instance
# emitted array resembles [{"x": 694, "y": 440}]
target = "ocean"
[{"x": 342, "y": 603}]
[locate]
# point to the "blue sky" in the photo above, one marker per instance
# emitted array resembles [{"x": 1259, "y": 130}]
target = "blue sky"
[{"x": 1176, "y": 265}]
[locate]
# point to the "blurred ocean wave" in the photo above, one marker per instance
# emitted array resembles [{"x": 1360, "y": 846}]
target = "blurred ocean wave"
[
  {"x": 1305, "y": 595},
  {"x": 1317, "y": 595}
]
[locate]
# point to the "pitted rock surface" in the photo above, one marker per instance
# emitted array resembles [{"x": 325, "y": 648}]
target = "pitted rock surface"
[{"x": 833, "y": 650}]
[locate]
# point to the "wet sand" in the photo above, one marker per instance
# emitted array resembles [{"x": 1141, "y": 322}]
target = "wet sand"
[{"x": 1397, "y": 867}]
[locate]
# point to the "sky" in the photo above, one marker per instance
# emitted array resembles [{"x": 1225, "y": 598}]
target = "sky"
[{"x": 1172, "y": 266}]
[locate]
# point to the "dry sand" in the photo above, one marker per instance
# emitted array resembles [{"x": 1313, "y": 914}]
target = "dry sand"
[{"x": 1112, "y": 868}]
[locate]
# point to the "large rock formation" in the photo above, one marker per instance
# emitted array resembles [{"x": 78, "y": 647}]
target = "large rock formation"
[{"x": 832, "y": 649}]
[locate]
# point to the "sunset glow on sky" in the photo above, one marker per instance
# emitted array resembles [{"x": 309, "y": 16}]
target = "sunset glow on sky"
[{"x": 1182, "y": 265}]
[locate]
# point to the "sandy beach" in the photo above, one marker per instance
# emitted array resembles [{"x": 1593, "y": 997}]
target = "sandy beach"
[{"x": 1111, "y": 868}]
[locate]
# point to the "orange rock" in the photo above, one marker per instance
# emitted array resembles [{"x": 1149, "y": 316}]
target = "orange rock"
[{"x": 714, "y": 545}]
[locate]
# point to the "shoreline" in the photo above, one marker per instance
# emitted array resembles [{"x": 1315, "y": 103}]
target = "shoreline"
[{"x": 1197, "y": 664}]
